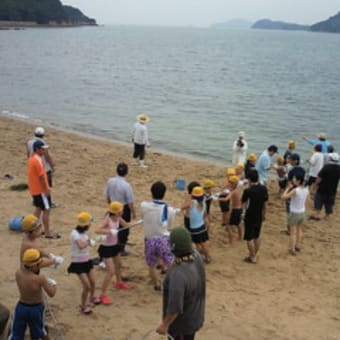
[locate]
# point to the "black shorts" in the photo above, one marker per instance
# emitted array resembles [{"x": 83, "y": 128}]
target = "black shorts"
[
  {"x": 80, "y": 267},
  {"x": 42, "y": 201},
  {"x": 235, "y": 217},
  {"x": 109, "y": 251},
  {"x": 187, "y": 222},
  {"x": 224, "y": 206},
  {"x": 252, "y": 230},
  {"x": 199, "y": 235}
]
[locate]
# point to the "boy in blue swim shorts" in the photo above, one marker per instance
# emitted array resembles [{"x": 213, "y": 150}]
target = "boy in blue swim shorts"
[{"x": 30, "y": 310}]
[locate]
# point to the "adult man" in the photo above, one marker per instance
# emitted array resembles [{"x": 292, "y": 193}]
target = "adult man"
[
  {"x": 39, "y": 188},
  {"x": 263, "y": 164},
  {"x": 140, "y": 139},
  {"x": 119, "y": 189},
  {"x": 322, "y": 140},
  {"x": 240, "y": 148},
  {"x": 254, "y": 201},
  {"x": 184, "y": 290},
  {"x": 30, "y": 309},
  {"x": 316, "y": 162},
  {"x": 158, "y": 217},
  {"x": 48, "y": 162},
  {"x": 327, "y": 185}
]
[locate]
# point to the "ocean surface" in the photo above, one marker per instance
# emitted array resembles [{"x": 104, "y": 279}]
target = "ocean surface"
[{"x": 200, "y": 86}]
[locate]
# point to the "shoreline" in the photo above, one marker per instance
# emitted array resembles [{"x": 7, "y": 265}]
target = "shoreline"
[
  {"x": 89, "y": 135},
  {"x": 20, "y": 25}
]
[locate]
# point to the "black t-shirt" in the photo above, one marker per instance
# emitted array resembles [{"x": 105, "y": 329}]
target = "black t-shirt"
[
  {"x": 329, "y": 175},
  {"x": 255, "y": 196}
]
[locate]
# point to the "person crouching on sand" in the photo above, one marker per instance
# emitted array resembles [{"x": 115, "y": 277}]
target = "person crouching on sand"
[
  {"x": 196, "y": 210},
  {"x": 81, "y": 263},
  {"x": 30, "y": 310},
  {"x": 110, "y": 249}
]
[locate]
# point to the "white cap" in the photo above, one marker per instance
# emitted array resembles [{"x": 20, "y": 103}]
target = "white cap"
[
  {"x": 241, "y": 134},
  {"x": 334, "y": 157},
  {"x": 39, "y": 131}
]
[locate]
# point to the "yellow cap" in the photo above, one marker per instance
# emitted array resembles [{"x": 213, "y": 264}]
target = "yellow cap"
[
  {"x": 31, "y": 257},
  {"x": 280, "y": 159},
  {"x": 208, "y": 184},
  {"x": 291, "y": 142},
  {"x": 240, "y": 165},
  {"x": 231, "y": 172},
  {"x": 115, "y": 207},
  {"x": 252, "y": 157},
  {"x": 233, "y": 179},
  {"x": 84, "y": 219},
  {"x": 197, "y": 192},
  {"x": 30, "y": 222}
]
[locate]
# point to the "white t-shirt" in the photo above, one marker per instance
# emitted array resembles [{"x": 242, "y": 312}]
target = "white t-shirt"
[
  {"x": 151, "y": 213},
  {"x": 297, "y": 202},
  {"x": 316, "y": 163},
  {"x": 140, "y": 134},
  {"x": 79, "y": 255}
]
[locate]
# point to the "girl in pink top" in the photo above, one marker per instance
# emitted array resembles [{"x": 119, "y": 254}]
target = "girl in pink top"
[
  {"x": 81, "y": 263},
  {"x": 110, "y": 249}
]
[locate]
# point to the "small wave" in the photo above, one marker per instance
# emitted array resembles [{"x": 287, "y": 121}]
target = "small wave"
[{"x": 14, "y": 114}]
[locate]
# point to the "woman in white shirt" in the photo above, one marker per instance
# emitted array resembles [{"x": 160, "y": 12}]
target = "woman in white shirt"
[{"x": 298, "y": 194}]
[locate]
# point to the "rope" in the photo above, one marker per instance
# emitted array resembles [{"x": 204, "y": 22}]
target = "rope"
[{"x": 146, "y": 335}]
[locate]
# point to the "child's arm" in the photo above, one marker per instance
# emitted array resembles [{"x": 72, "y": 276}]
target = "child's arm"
[
  {"x": 49, "y": 285},
  {"x": 227, "y": 198},
  {"x": 289, "y": 192}
]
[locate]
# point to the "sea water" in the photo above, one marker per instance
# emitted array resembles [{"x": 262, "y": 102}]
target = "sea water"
[{"x": 199, "y": 85}]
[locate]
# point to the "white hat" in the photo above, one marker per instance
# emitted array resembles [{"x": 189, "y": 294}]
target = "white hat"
[
  {"x": 334, "y": 157},
  {"x": 241, "y": 134},
  {"x": 39, "y": 131}
]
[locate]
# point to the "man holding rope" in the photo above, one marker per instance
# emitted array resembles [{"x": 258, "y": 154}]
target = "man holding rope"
[{"x": 183, "y": 290}]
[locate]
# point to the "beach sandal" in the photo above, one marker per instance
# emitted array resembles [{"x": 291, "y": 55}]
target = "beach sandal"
[
  {"x": 248, "y": 259},
  {"x": 96, "y": 300},
  {"x": 292, "y": 252},
  {"x": 298, "y": 249},
  {"x": 86, "y": 310},
  {"x": 207, "y": 260},
  {"x": 105, "y": 300},
  {"x": 53, "y": 236},
  {"x": 157, "y": 287},
  {"x": 314, "y": 218},
  {"x": 121, "y": 285}
]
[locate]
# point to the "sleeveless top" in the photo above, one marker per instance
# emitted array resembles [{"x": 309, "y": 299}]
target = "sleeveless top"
[
  {"x": 111, "y": 240},
  {"x": 196, "y": 216},
  {"x": 297, "y": 202}
]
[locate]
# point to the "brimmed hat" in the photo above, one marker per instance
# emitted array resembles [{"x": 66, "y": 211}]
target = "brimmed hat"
[
  {"x": 180, "y": 241},
  {"x": 84, "y": 219},
  {"x": 31, "y": 257},
  {"x": 115, "y": 207},
  {"x": 30, "y": 222},
  {"x": 241, "y": 134},
  {"x": 231, "y": 172},
  {"x": 291, "y": 142},
  {"x": 252, "y": 157},
  {"x": 233, "y": 179},
  {"x": 143, "y": 118},
  {"x": 39, "y": 131},
  {"x": 240, "y": 165},
  {"x": 334, "y": 157},
  {"x": 197, "y": 192},
  {"x": 208, "y": 184},
  {"x": 321, "y": 135},
  {"x": 295, "y": 157},
  {"x": 280, "y": 159}
]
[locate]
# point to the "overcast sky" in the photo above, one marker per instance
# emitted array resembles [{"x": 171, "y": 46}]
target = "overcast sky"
[{"x": 203, "y": 12}]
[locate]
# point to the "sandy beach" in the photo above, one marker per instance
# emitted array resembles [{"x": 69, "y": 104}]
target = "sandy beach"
[{"x": 281, "y": 297}]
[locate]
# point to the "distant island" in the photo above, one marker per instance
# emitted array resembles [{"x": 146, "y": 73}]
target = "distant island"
[
  {"x": 234, "y": 24},
  {"x": 279, "y": 25},
  {"x": 331, "y": 25},
  {"x": 26, "y": 13}
]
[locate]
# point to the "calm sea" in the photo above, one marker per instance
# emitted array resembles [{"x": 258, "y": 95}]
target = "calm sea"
[{"x": 200, "y": 86}]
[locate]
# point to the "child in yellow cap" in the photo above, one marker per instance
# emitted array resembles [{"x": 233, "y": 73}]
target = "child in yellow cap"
[
  {"x": 250, "y": 164},
  {"x": 81, "y": 263},
  {"x": 196, "y": 211},
  {"x": 32, "y": 233},
  {"x": 223, "y": 203},
  {"x": 110, "y": 249},
  {"x": 208, "y": 185}
]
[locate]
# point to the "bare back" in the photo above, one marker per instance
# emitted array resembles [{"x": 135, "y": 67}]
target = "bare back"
[{"x": 235, "y": 198}]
